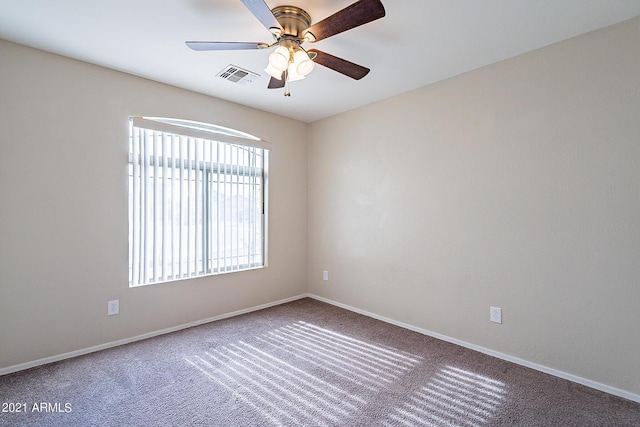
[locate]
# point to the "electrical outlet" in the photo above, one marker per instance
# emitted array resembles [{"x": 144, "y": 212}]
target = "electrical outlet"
[
  {"x": 325, "y": 275},
  {"x": 495, "y": 314},
  {"x": 113, "y": 307}
]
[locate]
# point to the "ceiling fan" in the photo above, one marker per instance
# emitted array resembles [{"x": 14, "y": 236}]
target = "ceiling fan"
[{"x": 291, "y": 27}]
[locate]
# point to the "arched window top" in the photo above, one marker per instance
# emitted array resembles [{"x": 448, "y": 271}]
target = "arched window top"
[{"x": 205, "y": 127}]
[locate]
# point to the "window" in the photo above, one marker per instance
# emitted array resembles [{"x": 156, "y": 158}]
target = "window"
[{"x": 197, "y": 197}]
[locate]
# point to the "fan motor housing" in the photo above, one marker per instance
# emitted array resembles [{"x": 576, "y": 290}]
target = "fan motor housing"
[{"x": 292, "y": 19}]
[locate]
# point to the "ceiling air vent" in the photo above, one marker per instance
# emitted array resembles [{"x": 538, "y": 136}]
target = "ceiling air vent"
[{"x": 238, "y": 75}]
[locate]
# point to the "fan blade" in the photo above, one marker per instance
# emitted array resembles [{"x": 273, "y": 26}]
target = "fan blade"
[
  {"x": 261, "y": 11},
  {"x": 225, "y": 45},
  {"x": 340, "y": 65},
  {"x": 277, "y": 84},
  {"x": 357, "y": 14}
]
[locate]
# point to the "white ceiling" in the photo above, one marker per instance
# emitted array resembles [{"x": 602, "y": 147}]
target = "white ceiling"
[{"x": 418, "y": 42}]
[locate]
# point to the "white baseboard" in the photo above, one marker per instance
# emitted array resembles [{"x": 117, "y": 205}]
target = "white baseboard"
[
  {"x": 589, "y": 383},
  {"x": 57, "y": 358}
]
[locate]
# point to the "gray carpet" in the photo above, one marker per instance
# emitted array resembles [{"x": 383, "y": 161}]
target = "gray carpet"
[{"x": 304, "y": 363}]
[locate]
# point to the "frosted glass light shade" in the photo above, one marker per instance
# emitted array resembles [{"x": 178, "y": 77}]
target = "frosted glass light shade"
[
  {"x": 302, "y": 63},
  {"x": 276, "y": 74},
  {"x": 292, "y": 73},
  {"x": 279, "y": 59}
]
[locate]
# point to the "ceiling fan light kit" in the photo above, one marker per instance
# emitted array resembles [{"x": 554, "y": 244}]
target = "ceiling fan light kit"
[
  {"x": 290, "y": 27},
  {"x": 289, "y": 57}
]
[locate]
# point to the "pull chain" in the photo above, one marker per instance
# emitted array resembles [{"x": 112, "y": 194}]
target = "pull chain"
[{"x": 286, "y": 83}]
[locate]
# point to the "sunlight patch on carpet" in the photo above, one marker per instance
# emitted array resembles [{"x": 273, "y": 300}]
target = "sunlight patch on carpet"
[
  {"x": 302, "y": 374},
  {"x": 453, "y": 396},
  {"x": 367, "y": 365}
]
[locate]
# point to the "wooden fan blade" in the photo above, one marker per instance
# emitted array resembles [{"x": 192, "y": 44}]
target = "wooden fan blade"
[
  {"x": 261, "y": 11},
  {"x": 225, "y": 45},
  {"x": 340, "y": 65},
  {"x": 357, "y": 14},
  {"x": 277, "y": 84}
]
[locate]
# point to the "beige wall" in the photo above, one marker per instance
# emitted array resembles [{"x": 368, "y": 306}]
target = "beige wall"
[
  {"x": 515, "y": 185},
  {"x": 63, "y": 208}
]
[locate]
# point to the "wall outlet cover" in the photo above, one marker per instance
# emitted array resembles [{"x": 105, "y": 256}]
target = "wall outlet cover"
[
  {"x": 495, "y": 314},
  {"x": 113, "y": 307}
]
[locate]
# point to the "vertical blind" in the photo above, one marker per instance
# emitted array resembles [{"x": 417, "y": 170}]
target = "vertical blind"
[{"x": 196, "y": 206}]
